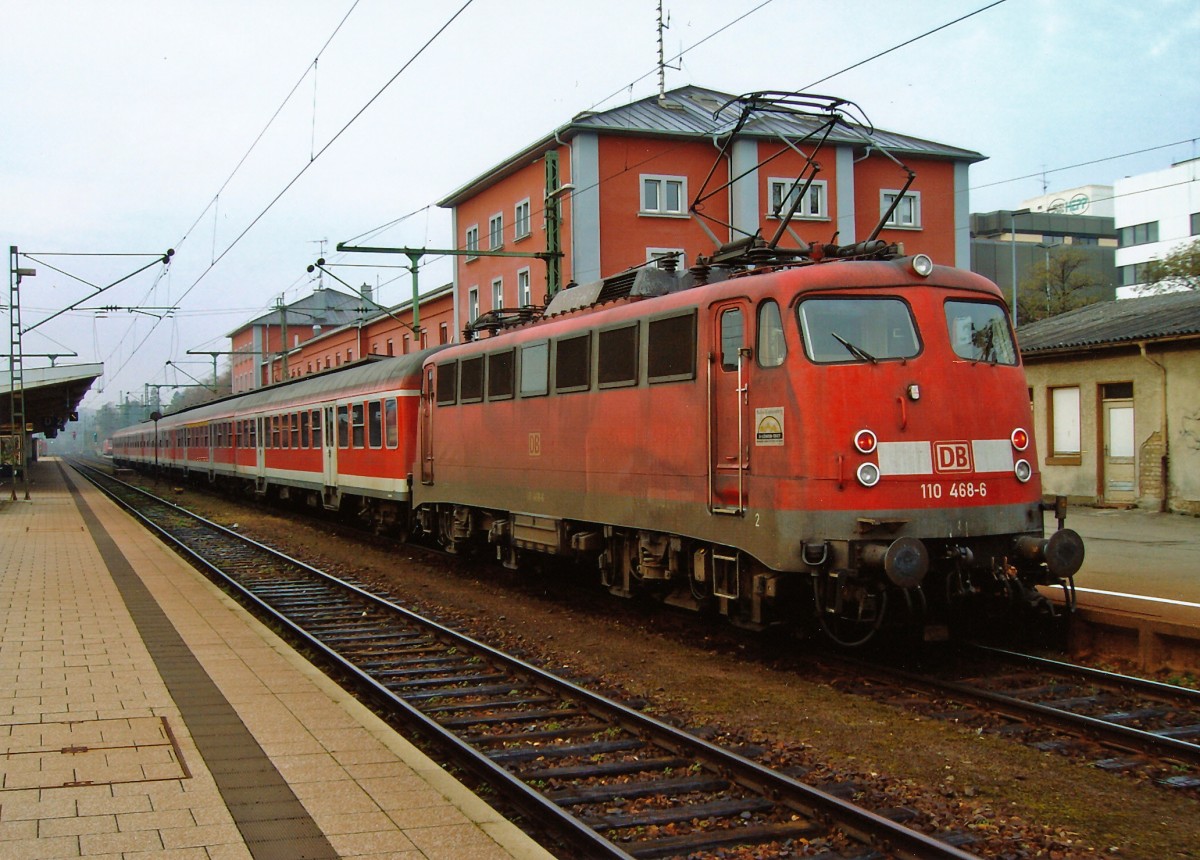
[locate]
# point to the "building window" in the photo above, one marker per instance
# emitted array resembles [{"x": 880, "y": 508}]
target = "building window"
[
  {"x": 658, "y": 255},
  {"x": 443, "y": 333},
  {"x": 784, "y": 193},
  {"x": 907, "y": 212},
  {"x": 496, "y": 231},
  {"x": 1137, "y": 234},
  {"x": 390, "y": 347},
  {"x": 497, "y": 294},
  {"x": 473, "y": 304},
  {"x": 521, "y": 221},
  {"x": 524, "y": 289},
  {"x": 1064, "y": 422},
  {"x": 404, "y": 345},
  {"x": 1196, "y": 223},
  {"x": 472, "y": 243},
  {"x": 1128, "y": 276},
  {"x": 664, "y": 195}
]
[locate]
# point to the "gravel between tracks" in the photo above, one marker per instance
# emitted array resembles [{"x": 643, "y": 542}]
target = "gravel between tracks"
[{"x": 1016, "y": 801}]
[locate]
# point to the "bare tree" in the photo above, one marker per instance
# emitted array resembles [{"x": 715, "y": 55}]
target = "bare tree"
[{"x": 1061, "y": 282}]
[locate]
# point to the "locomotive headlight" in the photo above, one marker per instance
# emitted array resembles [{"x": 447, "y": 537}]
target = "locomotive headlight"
[
  {"x": 865, "y": 442},
  {"x": 1023, "y": 470},
  {"x": 922, "y": 265},
  {"x": 868, "y": 474}
]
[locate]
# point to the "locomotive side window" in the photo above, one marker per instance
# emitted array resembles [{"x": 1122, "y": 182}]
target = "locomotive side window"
[
  {"x": 671, "y": 348},
  {"x": 617, "y": 363},
  {"x": 732, "y": 338},
  {"x": 979, "y": 332},
  {"x": 771, "y": 347},
  {"x": 357, "y": 424},
  {"x": 375, "y": 424},
  {"x": 535, "y": 369},
  {"x": 500, "y": 375},
  {"x": 343, "y": 426},
  {"x": 572, "y": 367},
  {"x": 860, "y": 329},
  {"x": 447, "y": 383},
  {"x": 391, "y": 422},
  {"x": 470, "y": 384}
]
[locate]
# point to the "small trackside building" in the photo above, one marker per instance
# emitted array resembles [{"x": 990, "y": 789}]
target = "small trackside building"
[{"x": 1115, "y": 389}]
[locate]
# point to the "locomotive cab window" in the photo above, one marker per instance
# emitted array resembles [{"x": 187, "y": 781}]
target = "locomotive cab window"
[
  {"x": 535, "y": 369},
  {"x": 732, "y": 338},
  {"x": 771, "y": 347},
  {"x": 671, "y": 348},
  {"x": 573, "y": 363},
  {"x": 979, "y": 332},
  {"x": 617, "y": 362},
  {"x": 842, "y": 331},
  {"x": 447, "y": 383}
]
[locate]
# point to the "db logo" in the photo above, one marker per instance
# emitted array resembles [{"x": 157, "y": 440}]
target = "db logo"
[{"x": 952, "y": 456}]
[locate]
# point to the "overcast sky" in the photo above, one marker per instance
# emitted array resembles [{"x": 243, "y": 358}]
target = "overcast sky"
[{"x": 124, "y": 124}]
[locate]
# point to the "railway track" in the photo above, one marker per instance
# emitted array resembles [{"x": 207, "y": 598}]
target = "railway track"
[
  {"x": 604, "y": 779},
  {"x": 1138, "y": 725}
]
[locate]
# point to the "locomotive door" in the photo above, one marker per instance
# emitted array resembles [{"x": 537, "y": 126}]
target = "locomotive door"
[
  {"x": 426, "y": 429},
  {"x": 728, "y": 368}
]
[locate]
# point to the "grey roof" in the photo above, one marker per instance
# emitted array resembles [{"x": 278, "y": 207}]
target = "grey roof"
[
  {"x": 321, "y": 307},
  {"x": 1116, "y": 322},
  {"x": 689, "y": 112}
]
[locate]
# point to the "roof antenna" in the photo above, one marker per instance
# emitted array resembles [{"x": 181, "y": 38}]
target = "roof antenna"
[{"x": 662, "y": 63}]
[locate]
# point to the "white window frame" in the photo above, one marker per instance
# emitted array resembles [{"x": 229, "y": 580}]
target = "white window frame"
[
  {"x": 472, "y": 304},
  {"x": 497, "y": 293},
  {"x": 653, "y": 254},
  {"x": 660, "y": 183},
  {"x": 524, "y": 288},
  {"x": 818, "y": 190},
  {"x": 897, "y": 221},
  {"x": 522, "y": 220},
  {"x": 496, "y": 232},
  {"x": 472, "y": 241}
]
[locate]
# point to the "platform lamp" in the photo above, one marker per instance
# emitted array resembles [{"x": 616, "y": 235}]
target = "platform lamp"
[{"x": 16, "y": 368}]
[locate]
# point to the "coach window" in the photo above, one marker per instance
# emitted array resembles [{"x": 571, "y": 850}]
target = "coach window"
[
  {"x": 447, "y": 383},
  {"x": 357, "y": 423},
  {"x": 535, "y": 369},
  {"x": 772, "y": 348},
  {"x": 316, "y": 428},
  {"x": 275, "y": 432},
  {"x": 732, "y": 338},
  {"x": 391, "y": 423},
  {"x": 285, "y": 431},
  {"x": 295, "y": 430},
  {"x": 343, "y": 426},
  {"x": 470, "y": 381},
  {"x": 671, "y": 348},
  {"x": 304, "y": 437},
  {"x": 617, "y": 361},
  {"x": 500, "y": 375},
  {"x": 572, "y": 367},
  {"x": 253, "y": 432},
  {"x": 375, "y": 424}
]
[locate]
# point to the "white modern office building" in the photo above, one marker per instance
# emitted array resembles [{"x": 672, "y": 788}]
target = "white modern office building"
[{"x": 1154, "y": 213}]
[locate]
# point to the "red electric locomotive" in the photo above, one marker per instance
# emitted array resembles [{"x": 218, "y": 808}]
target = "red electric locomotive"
[{"x": 848, "y": 442}]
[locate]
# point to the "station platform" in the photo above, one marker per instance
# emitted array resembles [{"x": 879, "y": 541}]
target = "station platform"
[{"x": 143, "y": 713}]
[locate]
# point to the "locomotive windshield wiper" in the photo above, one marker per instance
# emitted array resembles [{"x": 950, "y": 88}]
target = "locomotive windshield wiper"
[{"x": 857, "y": 352}]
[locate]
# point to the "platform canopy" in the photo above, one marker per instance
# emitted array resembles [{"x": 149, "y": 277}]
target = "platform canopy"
[{"x": 52, "y": 396}]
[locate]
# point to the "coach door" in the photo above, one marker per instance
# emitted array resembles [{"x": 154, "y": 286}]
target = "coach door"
[
  {"x": 728, "y": 369},
  {"x": 329, "y": 443},
  {"x": 426, "y": 429}
]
